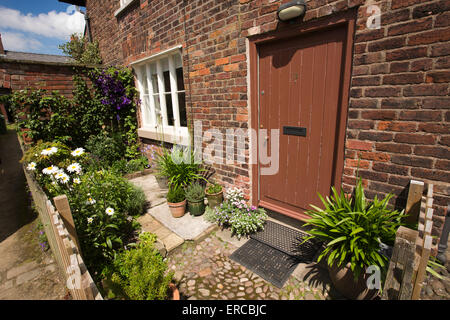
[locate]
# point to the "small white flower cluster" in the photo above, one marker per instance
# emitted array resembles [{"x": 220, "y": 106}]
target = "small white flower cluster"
[
  {"x": 234, "y": 195},
  {"x": 31, "y": 166}
]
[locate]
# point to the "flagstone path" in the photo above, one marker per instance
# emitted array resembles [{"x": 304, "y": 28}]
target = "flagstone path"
[{"x": 26, "y": 272}]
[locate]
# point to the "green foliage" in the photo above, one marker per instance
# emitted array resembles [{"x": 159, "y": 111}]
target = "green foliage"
[
  {"x": 140, "y": 273},
  {"x": 123, "y": 166},
  {"x": 175, "y": 194},
  {"x": 353, "y": 229},
  {"x": 44, "y": 116},
  {"x": 106, "y": 148},
  {"x": 81, "y": 50},
  {"x": 195, "y": 192},
  {"x": 214, "y": 188},
  {"x": 178, "y": 166},
  {"x": 237, "y": 214},
  {"x": 103, "y": 203}
]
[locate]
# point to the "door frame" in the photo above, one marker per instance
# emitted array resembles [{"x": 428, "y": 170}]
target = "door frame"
[{"x": 347, "y": 19}]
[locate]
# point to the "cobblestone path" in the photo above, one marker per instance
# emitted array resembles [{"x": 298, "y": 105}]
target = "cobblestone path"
[{"x": 205, "y": 271}]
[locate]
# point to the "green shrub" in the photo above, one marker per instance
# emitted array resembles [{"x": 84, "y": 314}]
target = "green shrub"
[
  {"x": 353, "y": 228},
  {"x": 195, "y": 192},
  {"x": 44, "y": 116},
  {"x": 106, "y": 148},
  {"x": 123, "y": 166},
  {"x": 175, "y": 194},
  {"x": 139, "y": 273}
]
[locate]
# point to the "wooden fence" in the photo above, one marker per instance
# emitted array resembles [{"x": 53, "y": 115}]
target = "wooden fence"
[
  {"x": 412, "y": 248},
  {"x": 61, "y": 235}
]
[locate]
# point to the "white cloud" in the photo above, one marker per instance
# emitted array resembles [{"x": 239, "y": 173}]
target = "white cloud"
[
  {"x": 15, "y": 41},
  {"x": 52, "y": 24}
]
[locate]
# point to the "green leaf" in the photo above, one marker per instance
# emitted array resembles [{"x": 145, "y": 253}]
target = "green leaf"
[
  {"x": 357, "y": 230},
  {"x": 342, "y": 238}
]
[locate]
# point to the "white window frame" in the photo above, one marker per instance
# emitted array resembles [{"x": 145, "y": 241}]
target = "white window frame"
[
  {"x": 123, "y": 5},
  {"x": 154, "y": 126}
]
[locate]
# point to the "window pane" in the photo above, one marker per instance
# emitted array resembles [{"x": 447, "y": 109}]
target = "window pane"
[
  {"x": 180, "y": 82},
  {"x": 155, "y": 83},
  {"x": 157, "y": 109},
  {"x": 182, "y": 109},
  {"x": 166, "y": 81},
  {"x": 170, "y": 118},
  {"x": 146, "y": 108},
  {"x": 144, "y": 83}
]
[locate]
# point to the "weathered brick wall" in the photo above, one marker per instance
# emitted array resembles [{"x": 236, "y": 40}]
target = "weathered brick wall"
[
  {"x": 399, "y": 105},
  {"x": 22, "y": 75}
]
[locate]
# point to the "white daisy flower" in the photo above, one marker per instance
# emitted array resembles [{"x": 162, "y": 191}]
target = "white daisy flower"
[
  {"x": 91, "y": 201},
  {"x": 76, "y": 180},
  {"x": 109, "y": 211},
  {"x": 50, "y": 170},
  {"x": 89, "y": 220},
  {"x": 74, "y": 167},
  {"x": 77, "y": 152},
  {"x": 49, "y": 151},
  {"x": 65, "y": 178},
  {"x": 31, "y": 166},
  {"x": 59, "y": 175}
]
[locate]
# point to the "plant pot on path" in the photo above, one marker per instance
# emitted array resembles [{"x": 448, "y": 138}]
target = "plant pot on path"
[
  {"x": 196, "y": 208},
  {"x": 343, "y": 280},
  {"x": 177, "y": 209}
]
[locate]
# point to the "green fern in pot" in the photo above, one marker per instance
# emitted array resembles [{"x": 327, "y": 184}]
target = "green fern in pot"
[{"x": 352, "y": 230}]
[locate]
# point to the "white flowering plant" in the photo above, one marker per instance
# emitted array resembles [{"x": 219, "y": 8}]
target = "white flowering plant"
[
  {"x": 55, "y": 166},
  {"x": 236, "y": 213}
]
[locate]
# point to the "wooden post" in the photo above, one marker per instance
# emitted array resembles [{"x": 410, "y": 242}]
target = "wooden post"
[
  {"x": 399, "y": 278},
  {"x": 422, "y": 267},
  {"x": 62, "y": 205},
  {"x": 414, "y": 200}
]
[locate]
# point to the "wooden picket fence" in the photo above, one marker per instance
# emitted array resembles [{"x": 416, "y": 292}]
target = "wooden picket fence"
[
  {"x": 61, "y": 234},
  {"x": 412, "y": 248}
]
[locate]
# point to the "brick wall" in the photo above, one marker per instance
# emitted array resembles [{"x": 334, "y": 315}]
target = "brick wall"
[
  {"x": 22, "y": 75},
  {"x": 398, "y": 115}
]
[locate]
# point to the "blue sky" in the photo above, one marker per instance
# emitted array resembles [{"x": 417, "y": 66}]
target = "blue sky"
[{"x": 38, "y": 26}]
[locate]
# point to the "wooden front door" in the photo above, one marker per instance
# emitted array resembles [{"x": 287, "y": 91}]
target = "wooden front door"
[{"x": 300, "y": 84}]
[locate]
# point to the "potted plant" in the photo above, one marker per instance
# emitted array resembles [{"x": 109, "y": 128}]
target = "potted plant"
[
  {"x": 176, "y": 168},
  {"x": 176, "y": 201},
  {"x": 195, "y": 195},
  {"x": 214, "y": 194},
  {"x": 352, "y": 230}
]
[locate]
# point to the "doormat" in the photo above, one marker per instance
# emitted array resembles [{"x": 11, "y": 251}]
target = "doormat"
[
  {"x": 288, "y": 240},
  {"x": 270, "y": 264},
  {"x": 274, "y": 252}
]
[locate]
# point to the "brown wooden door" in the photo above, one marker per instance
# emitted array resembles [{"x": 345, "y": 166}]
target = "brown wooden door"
[{"x": 300, "y": 81}]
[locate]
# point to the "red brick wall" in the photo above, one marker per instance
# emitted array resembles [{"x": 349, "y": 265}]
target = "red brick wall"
[
  {"x": 399, "y": 99},
  {"x": 19, "y": 75}
]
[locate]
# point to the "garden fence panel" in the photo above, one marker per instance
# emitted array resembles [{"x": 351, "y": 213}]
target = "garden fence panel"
[
  {"x": 64, "y": 247},
  {"x": 412, "y": 248}
]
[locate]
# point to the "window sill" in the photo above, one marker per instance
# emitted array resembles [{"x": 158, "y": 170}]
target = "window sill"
[
  {"x": 121, "y": 9},
  {"x": 169, "y": 136}
]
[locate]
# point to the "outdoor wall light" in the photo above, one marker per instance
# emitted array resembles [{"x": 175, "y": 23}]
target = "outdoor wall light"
[{"x": 291, "y": 10}]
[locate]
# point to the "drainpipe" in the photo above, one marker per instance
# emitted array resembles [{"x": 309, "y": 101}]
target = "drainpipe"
[
  {"x": 2, "y": 51},
  {"x": 442, "y": 247}
]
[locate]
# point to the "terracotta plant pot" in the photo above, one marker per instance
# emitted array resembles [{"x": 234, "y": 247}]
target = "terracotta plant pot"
[
  {"x": 214, "y": 199},
  {"x": 196, "y": 208},
  {"x": 177, "y": 209},
  {"x": 344, "y": 282},
  {"x": 175, "y": 293}
]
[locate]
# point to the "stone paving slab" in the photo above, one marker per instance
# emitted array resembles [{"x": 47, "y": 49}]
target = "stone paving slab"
[
  {"x": 155, "y": 196},
  {"x": 187, "y": 227}
]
